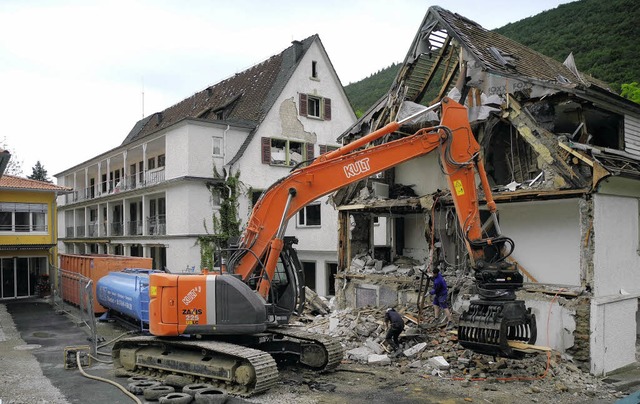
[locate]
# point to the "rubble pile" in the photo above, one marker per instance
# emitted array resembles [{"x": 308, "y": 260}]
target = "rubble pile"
[
  {"x": 430, "y": 349},
  {"x": 401, "y": 266}
]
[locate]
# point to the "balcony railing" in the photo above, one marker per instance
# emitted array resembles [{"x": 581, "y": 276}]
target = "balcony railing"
[
  {"x": 116, "y": 228},
  {"x": 134, "y": 181},
  {"x": 93, "y": 230},
  {"x": 134, "y": 228},
  {"x": 157, "y": 225},
  {"x": 80, "y": 231}
]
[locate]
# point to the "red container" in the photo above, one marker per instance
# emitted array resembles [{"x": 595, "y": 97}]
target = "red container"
[{"x": 94, "y": 267}]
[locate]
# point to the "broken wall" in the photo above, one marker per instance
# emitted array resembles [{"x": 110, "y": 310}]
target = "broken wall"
[
  {"x": 616, "y": 264},
  {"x": 547, "y": 238}
]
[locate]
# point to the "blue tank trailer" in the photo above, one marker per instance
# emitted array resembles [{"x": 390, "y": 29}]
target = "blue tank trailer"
[{"x": 126, "y": 295}]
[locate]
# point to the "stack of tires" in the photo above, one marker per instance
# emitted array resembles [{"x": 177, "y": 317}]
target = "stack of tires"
[{"x": 175, "y": 391}]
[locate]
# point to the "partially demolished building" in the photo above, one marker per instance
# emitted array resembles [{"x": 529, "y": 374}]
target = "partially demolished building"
[{"x": 563, "y": 155}]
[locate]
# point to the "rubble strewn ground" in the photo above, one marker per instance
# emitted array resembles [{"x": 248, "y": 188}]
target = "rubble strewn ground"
[{"x": 430, "y": 352}]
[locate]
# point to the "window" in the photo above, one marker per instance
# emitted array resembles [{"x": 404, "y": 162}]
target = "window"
[
  {"x": 255, "y": 195},
  {"x": 315, "y": 107},
  {"x": 23, "y": 217},
  {"x": 309, "y": 216},
  {"x": 161, "y": 160},
  {"x": 309, "y": 269},
  {"x": 283, "y": 152},
  {"x": 217, "y": 146},
  {"x": 151, "y": 163},
  {"x": 314, "y": 69},
  {"x": 325, "y": 148}
]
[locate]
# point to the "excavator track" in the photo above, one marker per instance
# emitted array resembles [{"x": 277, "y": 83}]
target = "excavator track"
[
  {"x": 235, "y": 368},
  {"x": 320, "y": 352}
]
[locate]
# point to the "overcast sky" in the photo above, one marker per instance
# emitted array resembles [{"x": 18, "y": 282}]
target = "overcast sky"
[{"x": 73, "y": 73}]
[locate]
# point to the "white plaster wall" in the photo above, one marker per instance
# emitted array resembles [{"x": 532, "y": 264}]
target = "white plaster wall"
[
  {"x": 284, "y": 121},
  {"x": 547, "y": 238},
  {"x": 555, "y": 324},
  {"x": 424, "y": 172},
  {"x": 323, "y": 238},
  {"x": 182, "y": 252},
  {"x": 321, "y": 259},
  {"x": 189, "y": 148},
  {"x": 176, "y": 152},
  {"x": 616, "y": 261},
  {"x": 615, "y": 273},
  {"x": 415, "y": 243},
  {"x": 188, "y": 206},
  {"x": 613, "y": 335},
  {"x": 380, "y": 232}
]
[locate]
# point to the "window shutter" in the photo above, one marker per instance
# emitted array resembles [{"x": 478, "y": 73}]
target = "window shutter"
[
  {"x": 327, "y": 109},
  {"x": 303, "y": 104},
  {"x": 323, "y": 148},
  {"x": 309, "y": 151},
  {"x": 266, "y": 150}
]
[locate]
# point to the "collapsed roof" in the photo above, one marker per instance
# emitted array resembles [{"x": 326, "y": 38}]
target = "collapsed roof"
[{"x": 541, "y": 123}]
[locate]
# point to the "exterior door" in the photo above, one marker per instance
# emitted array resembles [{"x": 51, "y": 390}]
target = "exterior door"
[
  {"x": 8, "y": 278},
  {"x": 22, "y": 274}
]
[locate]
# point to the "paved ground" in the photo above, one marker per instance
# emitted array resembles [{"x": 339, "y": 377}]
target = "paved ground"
[{"x": 33, "y": 338}]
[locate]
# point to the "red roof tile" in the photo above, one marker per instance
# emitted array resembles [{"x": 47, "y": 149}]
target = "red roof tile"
[{"x": 13, "y": 182}]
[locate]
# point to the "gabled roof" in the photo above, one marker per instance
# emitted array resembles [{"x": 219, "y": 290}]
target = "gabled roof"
[
  {"x": 244, "y": 98},
  {"x": 19, "y": 183},
  {"x": 501, "y": 55}
]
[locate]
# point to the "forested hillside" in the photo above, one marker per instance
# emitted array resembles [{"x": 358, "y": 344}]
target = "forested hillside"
[{"x": 604, "y": 37}]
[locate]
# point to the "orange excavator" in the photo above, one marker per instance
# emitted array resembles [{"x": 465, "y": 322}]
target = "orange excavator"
[{"x": 230, "y": 328}]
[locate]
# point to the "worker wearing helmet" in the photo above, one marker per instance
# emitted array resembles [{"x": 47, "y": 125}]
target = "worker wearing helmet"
[{"x": 395, "y": 324}]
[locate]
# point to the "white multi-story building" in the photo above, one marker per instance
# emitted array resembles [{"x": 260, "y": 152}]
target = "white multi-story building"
[{"x": 151, "y": 195}]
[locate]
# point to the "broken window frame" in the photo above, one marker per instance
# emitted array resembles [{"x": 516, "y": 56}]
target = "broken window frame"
[{"x": 286, "y": 145}]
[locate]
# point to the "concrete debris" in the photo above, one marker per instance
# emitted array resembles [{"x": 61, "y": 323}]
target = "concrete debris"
[
  {"x": 439, "y": 363},
  {"x": 414, "y": 350},
  {"x": 315, "y": 302},
  {"x": 375, "y": 359},
  {"x": 359, "y": 354},
  {"x": 428, "y": 349},
  {"x": 401, "y": 266}
]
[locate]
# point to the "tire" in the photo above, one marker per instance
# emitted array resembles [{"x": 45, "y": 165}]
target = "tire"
[
  {"x": 154, "y": 393},
  {"x": 134, "y": 379},
  {"x": 177, "y": 381},
  {"x": 211, "y": 396},
  {"x": 192, "y": 389},
  {"x": 176, "y": 398},
  {"x": 138, "y": 387}
]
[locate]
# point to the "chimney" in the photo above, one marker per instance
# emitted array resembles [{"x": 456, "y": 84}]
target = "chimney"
[{"x": 297, "y": 50}]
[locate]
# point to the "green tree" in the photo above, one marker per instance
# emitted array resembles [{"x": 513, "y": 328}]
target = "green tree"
[
  {"x": 631, "y": 91},
  {"x": 39, "y": 173}
]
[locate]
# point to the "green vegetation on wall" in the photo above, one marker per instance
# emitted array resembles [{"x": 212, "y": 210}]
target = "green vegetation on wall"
[{"x": 226, "y": 224}]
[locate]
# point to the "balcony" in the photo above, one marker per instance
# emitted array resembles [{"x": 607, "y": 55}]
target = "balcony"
[
  {"x": 93, "y": 230},
  {"x": 157, "y": 225},
  {"x": 133, "y": 181},
  {"x": 134, "y": 228},
  {"x": 80, "y": 231},
  {"x": 116, "y": 229}
]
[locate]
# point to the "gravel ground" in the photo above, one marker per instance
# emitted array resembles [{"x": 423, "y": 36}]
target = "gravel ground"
[{"x": 21, "y": 379}]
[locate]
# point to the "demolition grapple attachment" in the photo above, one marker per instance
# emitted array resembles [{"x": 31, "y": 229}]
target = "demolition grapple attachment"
[{"x": 488, "y": 326}]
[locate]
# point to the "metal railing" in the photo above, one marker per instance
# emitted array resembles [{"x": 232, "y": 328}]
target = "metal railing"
[{"x": 73, "y": 294}]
